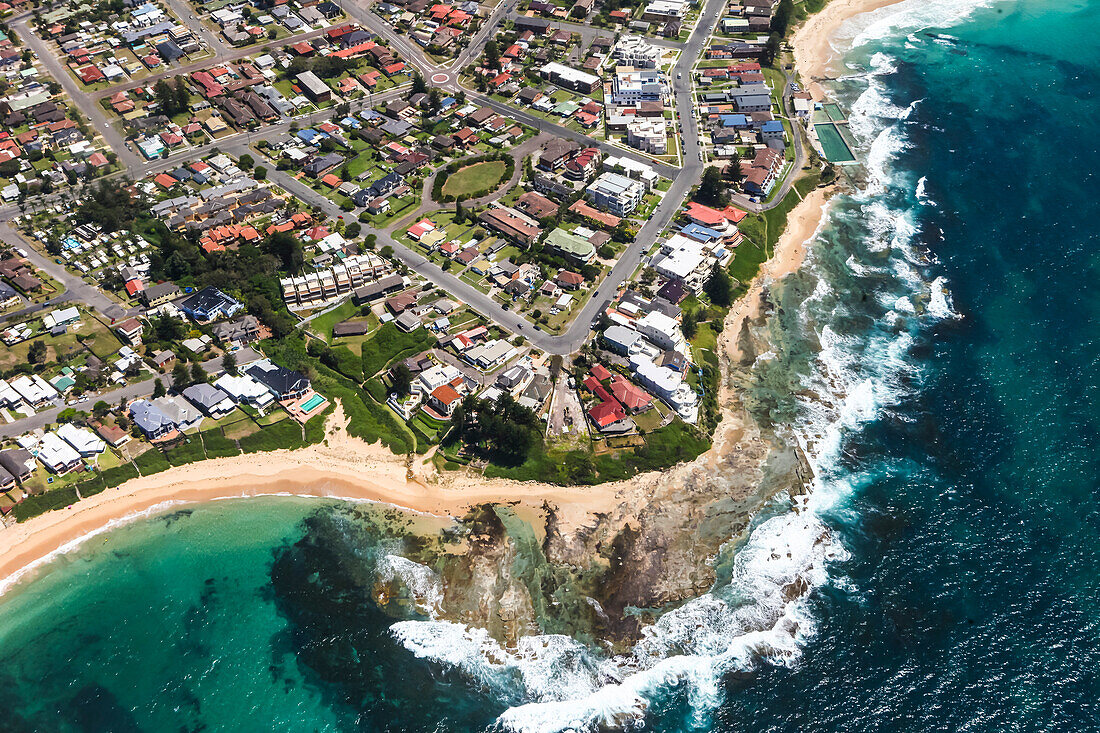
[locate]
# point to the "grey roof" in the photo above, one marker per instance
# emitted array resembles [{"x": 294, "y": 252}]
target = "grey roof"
[
  {"x": 205, "y": 396},
  {"x": 148, "y": 417},
  {"x": 15, "y": 460},
  {"x": 621, "y": 336}
]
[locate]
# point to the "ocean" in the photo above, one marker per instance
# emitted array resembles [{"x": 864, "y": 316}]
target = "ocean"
[{"x": 934, "y": 358}]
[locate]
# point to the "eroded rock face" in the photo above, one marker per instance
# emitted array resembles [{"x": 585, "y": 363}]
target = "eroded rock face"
[{"x": 603, "y": 576}]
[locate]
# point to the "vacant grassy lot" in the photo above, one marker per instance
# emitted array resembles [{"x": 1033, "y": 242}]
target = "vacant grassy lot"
[{"x": 477, "y": 177}]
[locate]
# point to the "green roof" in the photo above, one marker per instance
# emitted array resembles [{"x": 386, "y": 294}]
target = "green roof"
[{"x": 571, "y": 244}]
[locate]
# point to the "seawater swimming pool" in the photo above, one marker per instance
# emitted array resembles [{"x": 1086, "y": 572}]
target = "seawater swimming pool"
[{"x": 834, "y": 147}]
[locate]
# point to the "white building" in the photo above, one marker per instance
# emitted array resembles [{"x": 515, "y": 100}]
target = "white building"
[
  {"x": 61, "y": 317},
  {"x": 563, "y": 76},
  {"x": 434, "y": 377},
  {"x": 669, "y": 385},
  {"x": 244, "y": 390},
  {"x": 618, "y": 194},
  {"x": 662, "y": 330},
  {"x": 685, "y": 260},
  {"x": 83, "y": 440},
  {"x": 648, "y": 134},
  {"x": 632, "y": 169},
  {"x": 631, "y": 86},
  {"x": 57, "y": 455},
  {"x": 34, "y": 389}
]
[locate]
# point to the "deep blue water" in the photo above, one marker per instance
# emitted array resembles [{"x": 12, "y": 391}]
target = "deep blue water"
[{"x": 938, "y": 355}]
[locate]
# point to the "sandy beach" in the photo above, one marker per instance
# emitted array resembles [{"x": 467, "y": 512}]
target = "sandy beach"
[
  {"x": 815, "y": 56},
  {"x": 348, "y": 468}
]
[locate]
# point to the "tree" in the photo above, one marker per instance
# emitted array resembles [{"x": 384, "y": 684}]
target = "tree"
[
  {"x": 401, "y": 376},
  {"x": 166, "y": 328},
  {"x": 370, "y": 240},
  {"x": 198, "y": 374},
  {"x": 158, "y": 388},
  {"x": 719, "y": 287},
  {"x": 492, "y": 55},
  {"x": 712, "y": 189},
  {"x": 343, "y": 109},
  {"x": 387, "y": 252},
  {"x": 260, "y": 173},
  {"x": 781, "y": 19},
  {"x": 732, "y": 171},
  {"x": 36, "y": 354},
  {"x": 100, "y": 408},
  {"x": 287, "y": 249},
  {"x": 771, "y": 48},
  {"x": 419, "y": 86},
  {"x": 460, "y": 213},
  {"x": 181, "y": 376},
  {"x": 246, "y": 161},
  {"x": 690, "y": 324},
  {"x": 229, "y": 363}
]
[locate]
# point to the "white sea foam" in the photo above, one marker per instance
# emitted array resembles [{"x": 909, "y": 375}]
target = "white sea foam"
[
  {"x": 910, "y": 15},
  {"x": 555, "y": 684},
  {"x": 939, "y": 304},
  {"x": 421, "y": 582},
  {"x": 920, "y": 193}
]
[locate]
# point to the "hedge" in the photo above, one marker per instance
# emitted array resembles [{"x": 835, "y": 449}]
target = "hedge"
[
  {"x": 187, "y": 452},
  {"x": 119, "y": 475},
  {"x": 32, "y": 506},
  {"x": 151, "y": 461},
  {"x": 344, "y": 361},
  {"x": 217, "y": 445},
  {"x": 283, "y": 434}
]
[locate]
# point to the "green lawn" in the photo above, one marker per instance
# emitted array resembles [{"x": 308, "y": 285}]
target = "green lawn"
[
  {"x": 323, "y": 324},
  {"x": 477, "y": 177}
]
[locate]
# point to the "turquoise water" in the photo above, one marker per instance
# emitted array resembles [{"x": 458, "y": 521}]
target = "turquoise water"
[
  {"x": 938, "y": 360},
  {"x": 312, "y": 402}
]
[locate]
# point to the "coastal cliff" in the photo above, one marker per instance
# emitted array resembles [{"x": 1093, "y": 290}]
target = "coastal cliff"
[{"x": 601, "y": 575}]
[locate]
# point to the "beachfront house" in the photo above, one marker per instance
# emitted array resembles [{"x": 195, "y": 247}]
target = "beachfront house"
[
  {"x": 283, "y": 383},
  {"x": 57, "y": 455},
  {"x": 245, "y": 390},
  {"x": 18, "y": 462},
  {"x": 210, "y": 399},
  {"x": 150, "y": 419}
]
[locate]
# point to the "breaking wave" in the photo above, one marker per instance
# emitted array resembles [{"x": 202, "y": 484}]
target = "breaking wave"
[{"x": 761, "y": 614}]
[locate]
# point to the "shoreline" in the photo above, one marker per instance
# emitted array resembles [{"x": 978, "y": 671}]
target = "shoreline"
[
  {"x": 347, "y": 461},
  {"x": 815, "y": 57}
]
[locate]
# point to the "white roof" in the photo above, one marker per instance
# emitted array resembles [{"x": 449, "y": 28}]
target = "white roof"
[
  {"x": 243, "y": 387},
  {"x": 82, "y": 439},
  {"x": 54, "y": 452}
]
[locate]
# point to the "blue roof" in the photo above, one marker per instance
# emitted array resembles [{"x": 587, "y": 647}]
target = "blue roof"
[
  {"x": 700, "y": 233},
  {"x": 734, "y": 120},
  {"x": 310, "y": 135},
  {"x": 351, "y": 122},
  {"x": 772, "y": 126}
]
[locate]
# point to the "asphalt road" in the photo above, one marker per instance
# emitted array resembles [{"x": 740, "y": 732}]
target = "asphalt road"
[
  {"x": 45, "y": 417},
  {"x": 683, "y": 179},
  {"x": 76, "y": 290},
  {"x": 92, "y": 111}
]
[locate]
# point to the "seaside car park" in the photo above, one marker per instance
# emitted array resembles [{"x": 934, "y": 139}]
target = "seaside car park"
[{"x": 252, "y": 214}]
